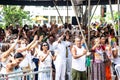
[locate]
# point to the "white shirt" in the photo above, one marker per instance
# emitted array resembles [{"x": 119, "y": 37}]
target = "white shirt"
[
  {"x": 50, "y": 46},
  {"x": 79, "y": 63},
  {"x": 116, "y": 60},
  {"x": 61, "y": 49},
  {"x": 27, "y": 61}
]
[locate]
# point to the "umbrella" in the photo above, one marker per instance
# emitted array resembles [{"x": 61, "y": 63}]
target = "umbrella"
[{"x": 37, "y": 18}]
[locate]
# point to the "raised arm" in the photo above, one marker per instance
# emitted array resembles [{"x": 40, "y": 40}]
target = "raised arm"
[
  {"x": 10, "y": 66},
  {"x": 5, "y": 54},
  {"x": 36, "y": 43},
  {"x": 54, "y": 57},
  {"x": 97, "y": 43},
  {"x": 28, "y": 46}
]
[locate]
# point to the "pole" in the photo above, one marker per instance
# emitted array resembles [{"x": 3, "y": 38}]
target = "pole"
[
  {"x": 119, "y": 18},
  {"x": 88, "y": 23},
  {"x": 119, "y": 26},
  {"x": 112, "y": 17},
  {"x": 81, "y": 12},
  {"x": 88, "y": 68},
  {"x": 67, "y": 11},
  {"x": 58, "y": 12},
  {"x": 79, "y": 25}
]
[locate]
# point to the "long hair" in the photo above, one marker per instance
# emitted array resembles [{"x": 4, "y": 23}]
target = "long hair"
[{"x": 4, "y": 47}]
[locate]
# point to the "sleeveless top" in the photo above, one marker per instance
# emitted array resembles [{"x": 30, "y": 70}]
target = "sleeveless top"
[
  {"x": 79, "y": 63},
  {"x": 47, "y": 62}
]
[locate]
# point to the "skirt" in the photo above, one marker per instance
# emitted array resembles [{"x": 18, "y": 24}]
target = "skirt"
[{"x": 98, "y": 71}]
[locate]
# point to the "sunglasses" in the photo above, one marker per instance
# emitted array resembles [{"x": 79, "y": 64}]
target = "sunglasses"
[{"x": 45, "y": 44}]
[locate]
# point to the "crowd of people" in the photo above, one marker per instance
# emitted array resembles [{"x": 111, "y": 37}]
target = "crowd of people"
[{"x": 61, "y": 49}]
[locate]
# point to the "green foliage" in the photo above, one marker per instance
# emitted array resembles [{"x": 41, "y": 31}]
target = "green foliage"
[
  {"x": 115, "y": 15},
  {"x": 14, "y": 14},
  {"x": 1, "y": 25},
  {"x": 108, "y": 17}
]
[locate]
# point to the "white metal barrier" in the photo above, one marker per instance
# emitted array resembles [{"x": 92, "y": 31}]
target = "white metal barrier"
[
  {"x": 26, "y": 75},
  {"x": 117, "y": 69}
]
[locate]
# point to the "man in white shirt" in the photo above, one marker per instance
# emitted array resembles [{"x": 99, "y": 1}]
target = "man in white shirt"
[
  {"x": 60, "y": 62},
  {"x": 78, "y": 61}
]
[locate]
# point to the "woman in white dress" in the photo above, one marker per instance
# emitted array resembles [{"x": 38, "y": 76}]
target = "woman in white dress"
[{"x": 45, "y": 62}]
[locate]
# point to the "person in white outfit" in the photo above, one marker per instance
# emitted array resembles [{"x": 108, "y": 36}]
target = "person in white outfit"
[
  {"x": 60, "y": 62},
  {"x": 13, "y": 66},
  {"x": 45, "y": 58},
  {"x": 68, "y": 55}
]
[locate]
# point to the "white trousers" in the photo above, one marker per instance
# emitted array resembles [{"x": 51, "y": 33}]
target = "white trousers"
[
  {"x": 69, "y": 68},
  {"x": 44, "y": 75},
  {"x": 60, "y": 70}
]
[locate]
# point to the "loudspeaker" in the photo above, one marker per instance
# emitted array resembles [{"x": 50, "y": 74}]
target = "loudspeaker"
[{"x": 74, "y": 20}]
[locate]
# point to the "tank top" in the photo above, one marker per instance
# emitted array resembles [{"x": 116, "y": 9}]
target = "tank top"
[
  {"x": 47, "y": 61},
  {"x": 79, "y": 63}
]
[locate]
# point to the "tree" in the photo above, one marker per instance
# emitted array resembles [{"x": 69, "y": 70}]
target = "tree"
[{"x": 14, "y": 14}]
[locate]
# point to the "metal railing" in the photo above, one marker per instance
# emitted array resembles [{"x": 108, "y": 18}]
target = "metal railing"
[
  {"x": 117, "y": 69},
  {"x": 24, "y": 75}
]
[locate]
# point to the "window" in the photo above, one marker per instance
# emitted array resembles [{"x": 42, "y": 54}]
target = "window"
[
  {"x": 53, "y": 19},
  {"x": 45, "y": 21},
  {"x": 59, "y": 19},
  {"x": 67, "y": 19}
]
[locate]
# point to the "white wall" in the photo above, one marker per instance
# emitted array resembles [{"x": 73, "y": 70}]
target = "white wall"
[{"x": 48, "y": 11}]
